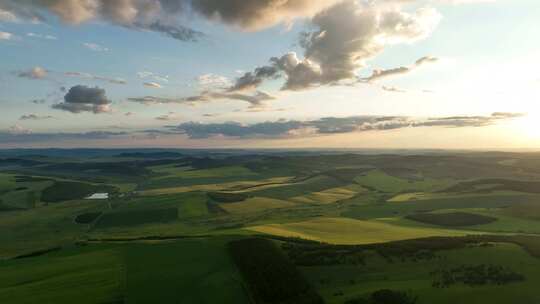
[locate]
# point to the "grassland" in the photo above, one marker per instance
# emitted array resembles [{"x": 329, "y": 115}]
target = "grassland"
[
  {"x": 452, "y": 219},
  {"x": 136, "y": 217},
  {"x": 256, "y": 204},
  {"x": 381, "y": 181}
]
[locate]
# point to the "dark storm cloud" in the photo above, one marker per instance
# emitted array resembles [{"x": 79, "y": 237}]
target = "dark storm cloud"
[{"x": 84, "y": 99}]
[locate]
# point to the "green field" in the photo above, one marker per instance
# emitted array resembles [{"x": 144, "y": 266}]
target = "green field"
[
  {"x": 415, "y": 276},
  {"x": 188, "y": 271},
  {"x": 352, "y": 226}
]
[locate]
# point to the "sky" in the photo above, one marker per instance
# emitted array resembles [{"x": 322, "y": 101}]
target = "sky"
[{"x": 435, "y": 74}]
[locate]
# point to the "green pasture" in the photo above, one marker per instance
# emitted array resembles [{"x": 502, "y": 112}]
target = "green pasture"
[
  {"x": 340, "y": 283},
  {"x": 185, "y": 271},
  {"x": 381, "y": 181}
]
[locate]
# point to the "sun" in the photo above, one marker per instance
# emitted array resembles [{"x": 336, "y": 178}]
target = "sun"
[{"x": 528, "y": 126}]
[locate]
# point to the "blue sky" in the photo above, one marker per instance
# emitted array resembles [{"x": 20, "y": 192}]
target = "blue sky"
[{"x": 483, "y": 59}]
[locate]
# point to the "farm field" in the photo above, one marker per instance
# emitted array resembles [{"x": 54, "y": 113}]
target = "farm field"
[
  {"x": 345, "y": 228},
  {"x": 350, "y": 231}
]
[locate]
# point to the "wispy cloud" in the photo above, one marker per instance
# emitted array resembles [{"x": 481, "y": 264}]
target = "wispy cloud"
[
  {"x": 256, "y": 100},
  {"x": 35, "y": 117},
  {"x": 6, "y": 36},
  {"x": 168, "y": 117},
  {"x": 153, "y": 85},
  {"x": 41, "y": 36},
  {"x": 381, "y": 74},
  {"x": 95, "y": 47},
  {"x": 6, "y": 16},
  {"x": 154, "y": 76},
  {"x": 34, "y": 73},
  {"x": 392, "y": 89},
  {"x": 96, "y": 77}
]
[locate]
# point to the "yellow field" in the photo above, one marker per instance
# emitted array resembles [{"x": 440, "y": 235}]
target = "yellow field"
[
  {"x": 231, "y": 187},
  {"x": 256, "y": 204},
  {"x": 350, "y": 231},
  {"x": 329, "y": 196},
  {"x": 405, "y": 197}
]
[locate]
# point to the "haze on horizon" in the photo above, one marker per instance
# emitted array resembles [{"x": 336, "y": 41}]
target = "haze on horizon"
[{"x": 445, "y": 74}]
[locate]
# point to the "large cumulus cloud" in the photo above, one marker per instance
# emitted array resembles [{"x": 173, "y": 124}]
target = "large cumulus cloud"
[
  {"x": 343, "y": 38},
  {"x": 85, "y": 99}
]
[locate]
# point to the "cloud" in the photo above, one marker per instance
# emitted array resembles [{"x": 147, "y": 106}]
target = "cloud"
[
  {"x": 178, "y": 32},
  {"x": 380, "y": 74},
  {"x": 95, "y": 77},
  {"x": 332, "y": 125},
  {"x": 84, "y": 99},
  {"x": 5, "y": 36},
  {"x": 41, "y": 36},
  {"x": 252, "y": 80},
  {"x": 95, "y": 47},
  {"x": 35, "y": 117},
  {"x": 149, "y": 15},
  {"x": 154, "y": 76},
  {"x": 155, "y": 100},
  {"x": 18, "y": 130},
  {"x": 392, "y": 89},
  {"x": 18, "y": 135},
  {"x": 34, "y": 73},
  {"x": 256, "y": 15},
  {"x": 168, "y": 117},
  {"x": 213, "y": 81},
  {"x": 38, "y": 101},
  {"x": 469, "y": 121},
  {"x": 256, "y": 100},
  {"x": 154, "y": 85},
  {"x": 343, "y": 38},
  {"x": 197, "y": 130},
  {"x": 6, "y": 16}
]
